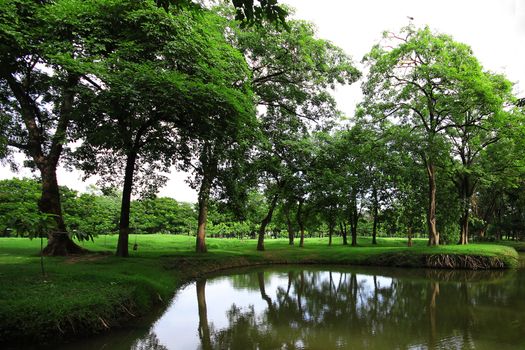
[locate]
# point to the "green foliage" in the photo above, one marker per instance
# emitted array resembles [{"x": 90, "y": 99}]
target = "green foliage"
[
  {"x": 89, "y": 214},
  {"x": 162, "y": 215},
  {"x": 18, "y": 206}
]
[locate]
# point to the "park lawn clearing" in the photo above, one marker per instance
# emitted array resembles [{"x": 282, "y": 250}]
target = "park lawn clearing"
[{"x": 83, "y": 295}]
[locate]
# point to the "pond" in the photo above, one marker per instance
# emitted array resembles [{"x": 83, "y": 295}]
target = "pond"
[{"x": 291, "y": 307}]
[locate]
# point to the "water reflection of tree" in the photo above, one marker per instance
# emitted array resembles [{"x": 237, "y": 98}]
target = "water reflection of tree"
[
  {"x": 148, "y": 342},
  {"x": 341, "y": 309},
  {"x": 204, "y": 329}
]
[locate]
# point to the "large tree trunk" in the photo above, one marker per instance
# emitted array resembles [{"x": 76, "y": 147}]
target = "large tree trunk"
[
  {"x": 300, "y": 222},
  {"x": 204, "y": 329},
  {"x": 265, "y": 222},
  {"x": 123, "y": 236},
  {"x": 209, "y": 166},
  {"x": 433, "y": 235},
  {"x": 375, "y": 214},
  {"x": 204, "y": 195},
  {"x": 58, "y": 242}
]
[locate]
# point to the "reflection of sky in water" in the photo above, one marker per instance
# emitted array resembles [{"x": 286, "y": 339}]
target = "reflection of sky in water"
[
  {"x": 412, "y": 309},
  {"x": 181, "y": 319}
]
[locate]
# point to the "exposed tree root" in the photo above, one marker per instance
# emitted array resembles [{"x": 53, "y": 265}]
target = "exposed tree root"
[{"x": 457, "y": 261}]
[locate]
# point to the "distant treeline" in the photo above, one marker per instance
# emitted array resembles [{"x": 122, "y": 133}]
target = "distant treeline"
[{"x": 97, "y": 213}]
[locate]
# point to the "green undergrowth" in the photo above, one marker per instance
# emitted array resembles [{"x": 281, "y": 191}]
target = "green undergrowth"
[{"x": 82, "y": 295}]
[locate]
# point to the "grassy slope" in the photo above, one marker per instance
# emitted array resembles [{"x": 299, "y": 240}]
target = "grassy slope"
[{"x": 87, "y": 294}]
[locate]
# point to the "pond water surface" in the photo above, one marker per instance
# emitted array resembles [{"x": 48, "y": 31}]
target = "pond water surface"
[{"x": 337, "y": 308}]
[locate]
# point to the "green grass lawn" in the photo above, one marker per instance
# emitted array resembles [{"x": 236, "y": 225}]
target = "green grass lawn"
[{"x": 85, "y": 294}]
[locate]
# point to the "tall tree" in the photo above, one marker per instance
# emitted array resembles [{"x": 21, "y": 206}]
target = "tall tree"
[
  {"x": 44, "y": 64},
  {"x": 175, "y": 73},
  {"x": 476, "y": 126},
  {"x": 419, "y": 78},
  {"x": 291, "y": 74}
]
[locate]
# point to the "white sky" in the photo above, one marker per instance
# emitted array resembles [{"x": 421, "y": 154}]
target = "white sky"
[{"x": 495, "y": 29}]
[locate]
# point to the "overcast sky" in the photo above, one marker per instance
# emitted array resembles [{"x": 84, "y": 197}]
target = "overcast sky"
[{"x": 495, "y": 29}]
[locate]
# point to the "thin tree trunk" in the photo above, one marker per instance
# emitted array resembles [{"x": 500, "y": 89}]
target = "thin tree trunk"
[
  {"x": 465, "y": 204},
  {"x": 267, "y": 219},
  {"x": 354, "y": 233},
  {"x": 300, "y": 292},
  {"x": 331, "y": 225},
  {"x": 291, "y": 233},
  {"x": 375, "y": 214},
  {"x": 433, "y": 235},
  {"x": 262, "y": 290},
  {"x": 432, "y": 314},
  {"x": 300, "y": 222},
  {"x": 123, "y": 236},
  {"x": 353, "y": 217},
  {"x": 344, "y": 233},
  {"x": 204, "y": 329},
  {"x": 463, "y": 236},
  {"x": 410, "y": 236}
]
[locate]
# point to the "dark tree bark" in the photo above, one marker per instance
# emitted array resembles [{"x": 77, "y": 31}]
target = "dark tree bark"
[
  {"x": 262, "y": 290},
  {"x": 375, "y": 211},
  {"x": 291, "y": 233},
  {"x": 300, "y": 222},
  {"x": 123, "y": 236},
  {"x": 344, "y": 232},
  {"x": 290, "y": 279},
  {"x": 354, "y": 218},
  {"x": 466, "y": 190},
  {"x": 463, "y": 235},
  {"x": 204, "y": 329},
  {"x": 409, "y": 236},
  {"x": 331, "y": 226},
  {"x": 267, "y": 219}
]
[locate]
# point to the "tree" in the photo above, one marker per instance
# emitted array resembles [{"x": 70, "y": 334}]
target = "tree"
[
  {"x": 291, "y": 74},
  {"x": 246, "y": 11},
  {"x": 179, "y": 58},
  {"x": 424, "y": 80},
  {"x": 18, "y": 206},
  {"x": 476, "y": 126},
  {"x": 43, "y": 68},
  {"x": 327, "y": 181}
]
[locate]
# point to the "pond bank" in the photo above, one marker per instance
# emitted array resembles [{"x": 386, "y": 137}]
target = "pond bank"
[{"x": 79, "y": 296}]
